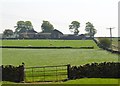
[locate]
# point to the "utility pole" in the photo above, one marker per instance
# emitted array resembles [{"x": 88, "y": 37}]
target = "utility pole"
[{"x": 110, "y": 35}]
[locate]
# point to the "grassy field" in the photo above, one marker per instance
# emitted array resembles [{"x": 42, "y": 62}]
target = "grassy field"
[
  {"x": 93, "y": 81},
  {"x": 115, "y": 41},
  {"x": 80, "y": 81},
  {"x": 115, "y": 44},
  {"x": 49, "y": 43},
  {"x": 47, "y": 57},
  {"x": 42, "y": 57}
]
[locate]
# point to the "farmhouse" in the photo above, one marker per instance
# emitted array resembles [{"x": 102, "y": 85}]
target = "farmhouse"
[
  {"x": 74, "y": 37},
  {"x": 28, "y": 34},
  {"x": 43, "y": 35},
  {"x": 55, "y": 34}
]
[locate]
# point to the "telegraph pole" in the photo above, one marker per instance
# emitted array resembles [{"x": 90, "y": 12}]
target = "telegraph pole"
[{"x": 110, "y": 35}]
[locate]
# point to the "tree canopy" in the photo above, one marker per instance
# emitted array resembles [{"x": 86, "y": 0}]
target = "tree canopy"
[
  {"x": 74, "y": 27},
  {"x": 47, "y": 27},
  {"x": 28, "y": 25},
  {"x": 7, "y": 33},
  {"x": 91, "y": 31},
  {"x": 23, "y": 26}
]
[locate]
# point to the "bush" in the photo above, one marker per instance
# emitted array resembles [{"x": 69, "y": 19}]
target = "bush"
[
  {"x": 95, "y": 70},
  {"x": 105, "y": 42},
  {"x": 12, "y": 73}
]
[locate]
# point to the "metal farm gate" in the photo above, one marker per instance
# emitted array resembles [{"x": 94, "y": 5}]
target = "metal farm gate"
[{"x": 47, "y": 73}]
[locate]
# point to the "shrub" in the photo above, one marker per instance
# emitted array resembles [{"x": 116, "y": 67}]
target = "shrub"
[
  {"x": 105, "y": 42},
  {"x": 12, "y": 73},
  {"x": 95, "y": 70}
]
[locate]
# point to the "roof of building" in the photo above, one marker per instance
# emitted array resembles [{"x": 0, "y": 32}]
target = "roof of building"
[{"x": 55, "y": 30}]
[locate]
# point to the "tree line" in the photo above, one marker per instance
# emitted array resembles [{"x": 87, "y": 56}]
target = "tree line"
[{"x": 47, "y": 27}]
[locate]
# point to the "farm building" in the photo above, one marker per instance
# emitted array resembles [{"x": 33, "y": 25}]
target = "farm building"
[
  {"x": 44, "y": 35},
  {"x": 53, "y": 35},
  {"x": 56, "y": 34},
  {"x": 28, "y": 34},
  {"x": 74, "y": 37}
]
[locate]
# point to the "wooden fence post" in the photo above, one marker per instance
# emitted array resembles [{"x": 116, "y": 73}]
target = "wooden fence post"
[{"x": 68, "y": 70}]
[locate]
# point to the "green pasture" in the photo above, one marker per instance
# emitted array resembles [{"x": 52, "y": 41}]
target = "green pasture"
[
  {"x": 115, "y": 43},
  {"x": 42, "y": 57},
  {"x": 84, "y": 82},
  {"x": 47, "y": 57},
  {"x": 93, "y": 81},
  {"x": 50, "y": 43},
  {"x": 51, "y": 57}
]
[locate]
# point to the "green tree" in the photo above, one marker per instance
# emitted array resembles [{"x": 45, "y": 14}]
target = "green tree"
[
  {"x": 74, "y": 27},
  {"x": 7, "y": 33},
  {"x": 90, "y": 29},
  {"x": 23, "y": 26},
  {"x": 20, "y": 26},
  {"x": 47, "y": 27},
  {"x": 28, "y": 25}
]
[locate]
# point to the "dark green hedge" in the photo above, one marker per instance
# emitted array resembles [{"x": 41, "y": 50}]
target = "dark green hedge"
[
  {"x": 105, "y": 48},
  {"x": 33, "y": 47},
  {"x": 95, "y": 70},
  {"x": 12, "y": 73}
]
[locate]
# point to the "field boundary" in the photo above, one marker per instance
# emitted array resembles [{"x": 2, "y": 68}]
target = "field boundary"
[
  {"x": 60, "y": 72},
  {"x": 105, "y": 48},
  {"x": 66, "y": 47}
]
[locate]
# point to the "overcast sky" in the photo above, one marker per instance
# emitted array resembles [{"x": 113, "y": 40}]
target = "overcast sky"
[{"x": 102, "y": 13}]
